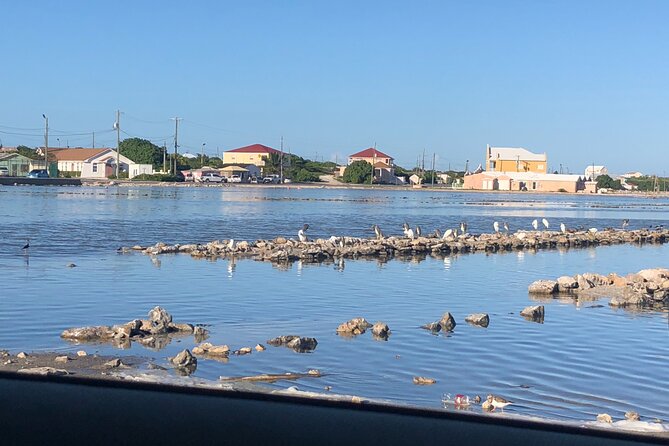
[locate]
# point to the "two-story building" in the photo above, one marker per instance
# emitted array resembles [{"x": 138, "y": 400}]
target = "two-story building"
[
  {"x": 383, "y": 164},
  {"x": 514, "y": 159},
  {"x": 255, "y": 154}
]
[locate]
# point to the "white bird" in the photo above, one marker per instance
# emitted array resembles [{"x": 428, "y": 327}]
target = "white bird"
[
  {"x": 463, "y": 227},
  {"x": 535, "y": 224},
  {"x": 592, "y": 230},
  {"x": 377, "y": 231},
  {"x": 544, "y": 222},
  {"x": 408, "y": 232},
  {"x": 447, "y": 234},
  {"x": 506, "y": 227},
  {"x": 333, "y": 239},
  {"x": 497, "y": 401},
  {"x": 301, "y": 234},
  {"x": 495, "y": 226},
  {"x": 626, "y": 223},
  {"x": 563, "y": 228},
  {"x": 231, "y": 244}
]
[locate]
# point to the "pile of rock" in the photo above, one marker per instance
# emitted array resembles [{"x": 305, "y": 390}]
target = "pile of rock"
[
  {"x": 446, "y": 323},
  {"x": 281, "y": 249},
  {"x": 297, "y": 343},
  {"x": 648, "y": 287},
  {"x": 359, "y": 325},
  {"x": 153, "y": 332}
]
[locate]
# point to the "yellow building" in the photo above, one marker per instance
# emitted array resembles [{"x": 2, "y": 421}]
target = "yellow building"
[
  {"x": 514, "y": 159},
  {"x": 254, "y": 154}
]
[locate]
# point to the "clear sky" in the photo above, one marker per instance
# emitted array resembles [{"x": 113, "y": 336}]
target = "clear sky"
[{"x": 585, "y": 81}]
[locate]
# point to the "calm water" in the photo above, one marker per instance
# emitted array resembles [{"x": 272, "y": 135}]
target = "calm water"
[{"x": 582, "y": 361}]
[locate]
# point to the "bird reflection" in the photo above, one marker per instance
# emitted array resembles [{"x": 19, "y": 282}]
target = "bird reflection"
[
  {"x": 232, "y": 265},
  {"x": 340, "y": 264},
  {"x": 156, "y": 261}
]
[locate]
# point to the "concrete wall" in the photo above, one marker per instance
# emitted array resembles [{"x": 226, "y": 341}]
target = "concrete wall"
[
  {"x": 257, "y": 159},
  {"x": 516, "y": 166}
]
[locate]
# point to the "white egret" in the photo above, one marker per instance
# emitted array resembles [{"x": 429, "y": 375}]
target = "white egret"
[
  {"x": 495, "y": 226},
  {"x": 535, "y": 224},
  {"x": 563, "y": 228},
  {"x": 301, "y": 234},
  {"x": 408, "y": 232},
  {"x": 544, "y": 222}
]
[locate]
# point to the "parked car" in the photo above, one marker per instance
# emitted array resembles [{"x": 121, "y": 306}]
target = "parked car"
[
  {"x": 38, "y": 173},
  {"x": 254, "y": 180},
  {"x": 236, "y": 179},
  {"x": 273, "y": 179},
  {"x": 4, "y": 172},
  {"x": 211, "y": 177}
]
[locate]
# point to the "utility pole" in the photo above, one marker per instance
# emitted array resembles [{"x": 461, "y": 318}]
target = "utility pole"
[
  {"x": 281, "y": 162},
  {"x": 93, "y": 139},
  {"x": 433, "y": 159},
  {"x": 164, "y": 157},
  {"x": 202, "y": 160},
  {"x": 46, "y": 142},
  {"x": 117, "y": 124},
  {"x": 176, "y": 141}
]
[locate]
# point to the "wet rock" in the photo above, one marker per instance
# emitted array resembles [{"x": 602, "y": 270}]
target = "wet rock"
[
  {"x": 185, "y": 360},
  {"x": 583, "y": 283},
  {"x": 432, "y": 326},
  {"x": 63, "y": 358},
  {"x": 280, "y": 240},
  {"x": 181, "y": 328},
  {"x": 88, "y": 333},
  {"x": 381, "y": 330},
  {"x": 534, "y": 313},
  {"x": 480, "y": 319},
  {"x": 626, "y": 300},
  {"x": 207, "y": 348},
  {"x": 71, "y": 265},
  {"x": 114, "y": 363},
  {"x": 43, "y": 371},
  {"x": 160, "y": 320},
  {"x": 543, "y": 287},
  {"x": 354, "y": 327},
  {"x": 200, "y": 334},
  {"x": 423, "y": 380},
  {"x": 487, "y": 406},
  {"x": 597, "y": 279},
  {"x": 447, "y": 322},
  {"x": 297, "y": 343},
  {"x": 81, "y": 353},
  {"x": 632, "y": 416},
  {"x": 567, "y": 284},
  {"x": 243, "y": 351},
  {"x": 260, "y": 348},
  {"x": 617, "y": 281},
  {"x": 604, "y": 418}
]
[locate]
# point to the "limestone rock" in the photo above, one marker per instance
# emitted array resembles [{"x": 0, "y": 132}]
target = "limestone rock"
[
  {"x": 88, "y": 333},
  {"x": 632, "y": 416},
  {"x": 583, "y": 282},
  {"x": 597, "y": 279},
  {"x": 22, "y": 355},
  {"x": 543, "y": 287},
  {"x": 200, "y": 334},
  {"x": 81, "y": 353},
  {"x": 160, "y": 320},
  {"x": 533, "y": 313},
  {"x": 567, "y": 284},
  {"x": 207, "y": 348},
  {"x": 604, "y": 418},
  {"x": 63, "y": 358},
  {"x": 423, "y": 380},
  {"x": 481, "y": 319},
  {"x": 381, "y": 330},
  {"x": 184, "y": 359},
  {"x": 432, "y": 326},
  {"x": 44, "y": 371},
  {"x": 447, "y": 322},
  {"x": 260, "y": 348},
  {"x": 354, "y": 327},
  {"x": 243, "y": 351},
  {"x": 297, "y": 343}
]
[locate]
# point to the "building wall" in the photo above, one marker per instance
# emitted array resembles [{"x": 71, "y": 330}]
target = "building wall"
[
  {"x": 257, "y": 159},
  {"x": 489, "y": 182},
  {"x": 17, "y": 166},
  {"x": 516, "y": 166},
  {"x": 371, "y": 160}
]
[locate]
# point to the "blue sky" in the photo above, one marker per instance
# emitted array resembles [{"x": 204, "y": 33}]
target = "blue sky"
[{"x": 584, "y": 81}]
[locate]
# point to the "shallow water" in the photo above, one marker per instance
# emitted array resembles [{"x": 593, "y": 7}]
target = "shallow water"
[{"x": 582, "y": 361}]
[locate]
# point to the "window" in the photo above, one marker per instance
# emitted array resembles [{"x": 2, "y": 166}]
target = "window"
[
  {"x": 534, "y": 185},
  {"x": 95, "y": 167}
]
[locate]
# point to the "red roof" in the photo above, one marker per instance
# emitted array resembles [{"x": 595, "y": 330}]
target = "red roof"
[
  {"x": 370, "y": 153},
  {"x": 255, "y": 148}
]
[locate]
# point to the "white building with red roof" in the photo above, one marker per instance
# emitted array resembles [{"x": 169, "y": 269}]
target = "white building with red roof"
[{"x": 384, "y": 165}]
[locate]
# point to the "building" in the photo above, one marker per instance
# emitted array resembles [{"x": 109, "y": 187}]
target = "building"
[
  {"x": 95, "y": 163},
  {"x": 514, "y": 159},
  {"x": 384, "y": 165},
  {"x": 592, "y": 172},
  {"x": 245, "y": 172},
  {"x": 525, "y": 181},
  {"x": 17, "y": 165},
  {"x": 255, "y": 154}
]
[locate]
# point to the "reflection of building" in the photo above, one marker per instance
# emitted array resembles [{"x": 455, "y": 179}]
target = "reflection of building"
[
  {"x": 525, "y": 181},
  {"x": 255, "y": 154},
  {"x": 593, "y": 172},
  {"x": 17, "y": 165},
  {"x": 514, "y": 159},
  {"x": 384, "y": 165},
  {"x": 96, "y": 163}
]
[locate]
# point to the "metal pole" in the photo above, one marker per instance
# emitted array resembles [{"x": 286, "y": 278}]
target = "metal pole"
[
  {"x": 46, "y": 142},
  {"x": 433, "y": 159},
  {"x": 118, "y": 142},
  {"x": 176, "y": 142},
  {"x": 202, "y": 161},
  {"x": 281, "y": 163}
]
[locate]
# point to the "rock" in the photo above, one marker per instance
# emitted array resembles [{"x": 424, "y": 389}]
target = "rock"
[
  {"x": 184, "y": 359},
  {"x": 656, "y": 275},
  {"x": 447, "y": 322},
  {"x": 660, "y": 295},
  {"x": 81, "y": 353},
  {"x": 297, "y": 343},
  {"x": 114, "y": 363},
  {"x": 381, "y": 330},
  {"x": 63, "y": 358},
  {"x": 260, "y": 348},
  {"x": 533, "y": 313},
  {"x": 567, "y": 284},
  {"x": 280, "y": 241},
  {"x": 354, "y": 327},
  {"x": 200, "y": 334},
  {"x": 480, "y": 319},
  {"x": 617, "y": 281},
  {"x": 487, "y": 406},
  {"x": 71, "y": 265},
  {"x": 22, "y": 355},
  {"x": 206, "y": 348},
  {"x": 604, "y": 418},
  {"x": 181, "y": 328},
  {"x": 44, "y": 371},
  {"x": 626, "y": 300},
  {"x": 160, "y": 320},
  {"x": 583, "y": 282},
  {"x": 665, "y": 285},
  {"x": 632, "y": 416},
  {"x": 88, "y": 333},
  {"x": 597, "y": 279},
  {"x": 423, "y": 380},
  {"x": 432, "y": 326},
  {"x": 543, "y": 287},
  {"x": 243, "y": 351},
  {"x": 477, "y": 399}
]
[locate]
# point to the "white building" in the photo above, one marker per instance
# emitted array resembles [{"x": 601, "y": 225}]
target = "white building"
[
  {"x": 593, "y": 172},
  {"x": 96, "y": 163}
]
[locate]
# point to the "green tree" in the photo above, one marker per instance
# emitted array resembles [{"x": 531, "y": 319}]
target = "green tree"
[
  {"x": 605, "y": 181},
  {"x": 305, "y": 176},
  {"x": 142, "y": 151},
  {"x": 358, "y": 172},
  {"x": 28, "y": 152}
]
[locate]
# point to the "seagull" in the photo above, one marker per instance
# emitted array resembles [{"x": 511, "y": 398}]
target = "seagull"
[
  {"x": 495, "y": 226},
  {"x": 544, "y": 222},
  {"x": 377, "y": 231},
  {"x": 231, "y": 244},
  {"x": 419, "y": 231},
  {"x": 301, "y": 234},
  {"x": 563, "y": 228},
  {"x": 535, "y": 224},
  {"x": 407, "y": 230},
  {"x": 463, "y": 227},
  {"x": 626, "y": 223},
  {"x": 506, "y": 227},
  {"x": 447, "y": 234},
  {"x": 27, "y": 245},
  {"x": 497, "y": 401}
]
